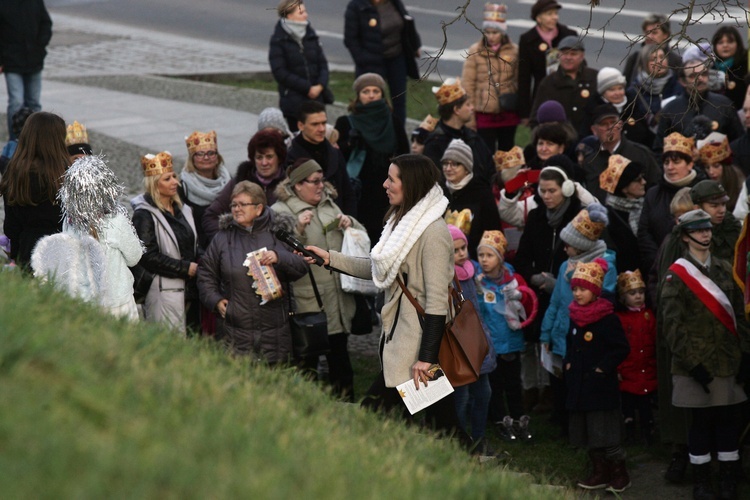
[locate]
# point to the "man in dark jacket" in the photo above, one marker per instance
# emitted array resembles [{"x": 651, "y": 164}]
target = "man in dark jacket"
[
  {"x": 311, "y": 142},
  {"x": 607, "y": 128},
  {"x": 573, "y": 85},
  {"x": 678, "y": 115},
  {"x": 741, "y": 146},
  {"x": 25, "y": 31},
  {"x": 456, "y": 110}
]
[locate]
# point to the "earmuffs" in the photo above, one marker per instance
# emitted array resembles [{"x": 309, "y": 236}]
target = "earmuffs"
[{"x": 568, "y": 186}]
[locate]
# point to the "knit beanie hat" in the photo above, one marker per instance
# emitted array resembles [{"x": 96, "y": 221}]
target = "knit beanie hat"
[
  {"x": 585, "y": 229},
  {"x": 495, "y": 241},
  {"x": 274, "y": 118},
  {"x": 460, "y": 152},
  {"x": 551, "y": 111},
  {"x": 368, "y": 80},
  {"x": 607, "y": 78},
  {"x": 696, "y": 54},
  {"x": 495, "y": 16},
  {"x": 457, "y": 234},
  {"x": 590, "y": 275},
  {"x": 302, "y": 169}
]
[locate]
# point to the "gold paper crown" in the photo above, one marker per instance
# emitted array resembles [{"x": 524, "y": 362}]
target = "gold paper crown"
[
  {"x": 679, "y": 143},
  {"x": 611, "y": 176},
  {"x": 76, "y": 134},
  {"x": 494, "y": 239},
  {"x": 495, "y": 13},
  {"x": 428, "y": 123},
  {"x": 590, "y": 272},
  {"x": 198, "y": 141},
  {"x": 158, "y": 164},
  {"x": 589, "y": 229},
  {"x": 451, "y": 90},
  {"x": 461, "y": 220},
  {"x": 630, "y": 280},
  {"x": 715, "y": 152},
  {"x": 509, "y": 159}
]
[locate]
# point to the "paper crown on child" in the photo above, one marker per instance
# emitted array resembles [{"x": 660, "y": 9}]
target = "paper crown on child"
[
  {"x": 678, "y": 143},
  {"x": 199, "y": 141},
  {"x": 509, "y": 162},
  {"x": 77, "y": 139},
  {"x": 461, "y": 220},
  {"x": 494, "y": 240},
  {"x": 160, "y": 163},
  {"x": 586, "y": 227},
  {"x": 495, "y": 16},
  {"x": 714, "y": 148},
  {"x": 630, "y": 280},
  {"x": 451, "y": 90},
  {"x": 428, "y": 123},
  {"x": 590, "y": 275}
]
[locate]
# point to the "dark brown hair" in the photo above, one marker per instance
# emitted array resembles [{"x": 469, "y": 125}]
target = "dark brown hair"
[
  {"x": 418, "y": 176},
  {"x": 41, "y": 153},
  {"x": 267, "y": 139}
]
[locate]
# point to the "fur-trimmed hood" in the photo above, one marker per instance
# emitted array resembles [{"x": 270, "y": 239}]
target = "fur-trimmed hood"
[
  {"x": 268, "y": 220},
  {"x": 285, "y": 190}
]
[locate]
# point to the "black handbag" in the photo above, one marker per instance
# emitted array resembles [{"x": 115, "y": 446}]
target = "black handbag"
[
  {"x": 141, "y": 283},
  {"x": 309, "y": 330},
  {"x": 362, "y": 320}
]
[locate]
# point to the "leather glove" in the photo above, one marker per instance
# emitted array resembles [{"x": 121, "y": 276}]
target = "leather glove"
[
  {"x": 701, "y": 375},
  {"x": 433, "y": 327},
  {"x": 743, "y": 374}
]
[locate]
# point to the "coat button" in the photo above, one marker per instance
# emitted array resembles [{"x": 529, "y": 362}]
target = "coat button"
[{"x": 575, "y": 108}]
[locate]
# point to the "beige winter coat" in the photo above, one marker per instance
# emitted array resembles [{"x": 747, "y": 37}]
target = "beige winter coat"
[
  {"x": 429, "y": 271},
  {"x": 339, "y": 306},
  {"x": 486, "y": 73}
]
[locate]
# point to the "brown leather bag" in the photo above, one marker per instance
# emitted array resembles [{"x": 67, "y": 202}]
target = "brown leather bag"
[{"x": 464, "y": 345}]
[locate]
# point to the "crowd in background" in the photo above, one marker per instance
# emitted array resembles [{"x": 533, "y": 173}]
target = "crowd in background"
[{"x": 601, "y": 256}]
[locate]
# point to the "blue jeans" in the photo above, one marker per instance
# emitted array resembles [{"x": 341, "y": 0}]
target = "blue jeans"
[
  {"x": 472, "y": 404},
  {"x": 24, "y": 91},
  {"x": 395, "y": 75}
]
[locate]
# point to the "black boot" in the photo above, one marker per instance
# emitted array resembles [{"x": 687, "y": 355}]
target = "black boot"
[
  {"x": 676, "y": 472},
  {"x": 702, "y": 488},
  {"x": 728, "y": 480}
]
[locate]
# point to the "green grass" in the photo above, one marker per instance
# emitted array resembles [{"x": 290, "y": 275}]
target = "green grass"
[{"x": 98, "y": 408}]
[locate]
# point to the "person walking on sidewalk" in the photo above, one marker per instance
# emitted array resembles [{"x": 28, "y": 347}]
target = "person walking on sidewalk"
[{"x": 25, "y": 31}]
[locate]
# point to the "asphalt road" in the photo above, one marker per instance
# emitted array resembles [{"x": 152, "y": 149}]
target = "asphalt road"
[{"x": 611, "y": 27}]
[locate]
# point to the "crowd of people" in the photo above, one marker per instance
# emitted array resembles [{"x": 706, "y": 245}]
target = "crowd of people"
[{"x": 607, "y": 258}]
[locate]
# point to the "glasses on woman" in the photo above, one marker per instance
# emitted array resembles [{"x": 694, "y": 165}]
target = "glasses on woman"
[
  {"x": 240, "y": 204},
  {"x": 205, "y": 154},
  {"x": 314, "y": 182},
  {"x": 451, "y": 164}
]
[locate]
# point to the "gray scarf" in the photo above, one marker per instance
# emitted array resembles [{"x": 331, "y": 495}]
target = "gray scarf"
[
  {"x": 554, "y": 217},
  {"x": 654, "y": 85},
  {"x": 202, "y": 191},
  {"x": 296, "y": 29},
  {"x": 632, "y": 206}
]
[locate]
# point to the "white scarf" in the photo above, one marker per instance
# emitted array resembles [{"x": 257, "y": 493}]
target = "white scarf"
[
  {"x": 202, "y": 191},
  {"x": 460, "y": 184},
  {"x": 395, "y": 244}
]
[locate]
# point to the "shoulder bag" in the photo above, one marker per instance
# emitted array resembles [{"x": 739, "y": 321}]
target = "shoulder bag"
[
  {"x": 464, "y": 345},
  {"x": 309, "y": 330}
]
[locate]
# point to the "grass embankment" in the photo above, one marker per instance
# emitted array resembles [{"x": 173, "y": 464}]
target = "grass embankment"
[{"x": 95, "y": 408}]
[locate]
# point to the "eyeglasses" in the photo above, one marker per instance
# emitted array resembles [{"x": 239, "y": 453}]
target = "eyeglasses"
[
  {"x": 451, "y": 164},
  {"x": 316, "y": 182},
  {"x": 237, "y": 204},
  {"x": 205, "y": 154}
]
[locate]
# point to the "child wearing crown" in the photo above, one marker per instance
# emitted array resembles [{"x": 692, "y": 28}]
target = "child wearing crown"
[
  {"x": 504, "y": 300},
  {"x": 596, "y": 345},
  {"x": 637, "y": 373}
]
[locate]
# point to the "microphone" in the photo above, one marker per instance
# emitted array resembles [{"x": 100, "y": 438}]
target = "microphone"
[{"x": 289, "y": 239}]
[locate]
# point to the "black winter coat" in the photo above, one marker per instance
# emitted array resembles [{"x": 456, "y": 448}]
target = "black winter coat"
[
  {"x": 579, "y": 97},
  {"x": 25, "y": 32},
  {"x": 623, "y": 241},
  {"x": 532, "y": 65},
  {"x": 741, "y": 152},
  {"x": 364, "y": 40},
  {"x": 477, "y": 197},
  {"x": 250, "y": 327},
  {"x": 296, "y": 67},
  {"x": 438, "y": 140},
  {"x": 601, "y": 344},
  {"x": 334, "y": 170}
]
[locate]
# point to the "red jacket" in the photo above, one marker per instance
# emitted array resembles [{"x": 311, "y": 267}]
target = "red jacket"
[{"x": 638, "y": 371}]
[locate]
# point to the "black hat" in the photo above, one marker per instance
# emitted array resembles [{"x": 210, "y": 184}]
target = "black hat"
[
  {"x": 708, "y": 191},
  {"x": 543, "y": 6},
  {"x": 632, "y": 171},
  {"x": 571, "y": 42},
  {"x": 603, "y": 111}
]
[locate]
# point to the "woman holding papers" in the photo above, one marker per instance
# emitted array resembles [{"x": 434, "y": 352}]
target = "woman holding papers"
[{"x": 416, "y": 248}]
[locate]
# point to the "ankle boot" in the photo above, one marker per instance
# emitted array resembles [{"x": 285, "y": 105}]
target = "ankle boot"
[
  {"x": 676, "y": 471},
  {"x": 728, "y": 480},
  {"x": 702, "y": 488},
  {"x": 600, "y": 474},
  {"x": 619, "y": 479}
]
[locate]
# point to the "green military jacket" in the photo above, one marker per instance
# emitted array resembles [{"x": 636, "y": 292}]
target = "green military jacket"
[
  {"x": 694, "y": 335},
  {"x": 725, "y": 237}
]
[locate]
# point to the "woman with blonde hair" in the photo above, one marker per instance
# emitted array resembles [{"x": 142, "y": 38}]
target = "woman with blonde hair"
[
  {"x": 167, "y": 230},
  {"x": 29, "y": 187}
]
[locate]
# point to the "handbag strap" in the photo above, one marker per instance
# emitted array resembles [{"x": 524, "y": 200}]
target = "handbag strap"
[{"x": 315, "y": 289}]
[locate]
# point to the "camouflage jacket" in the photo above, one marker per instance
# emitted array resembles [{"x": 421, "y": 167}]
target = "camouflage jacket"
[
  {"x": 725, "y": 237},
  {"x": 694, "y": 335}
]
